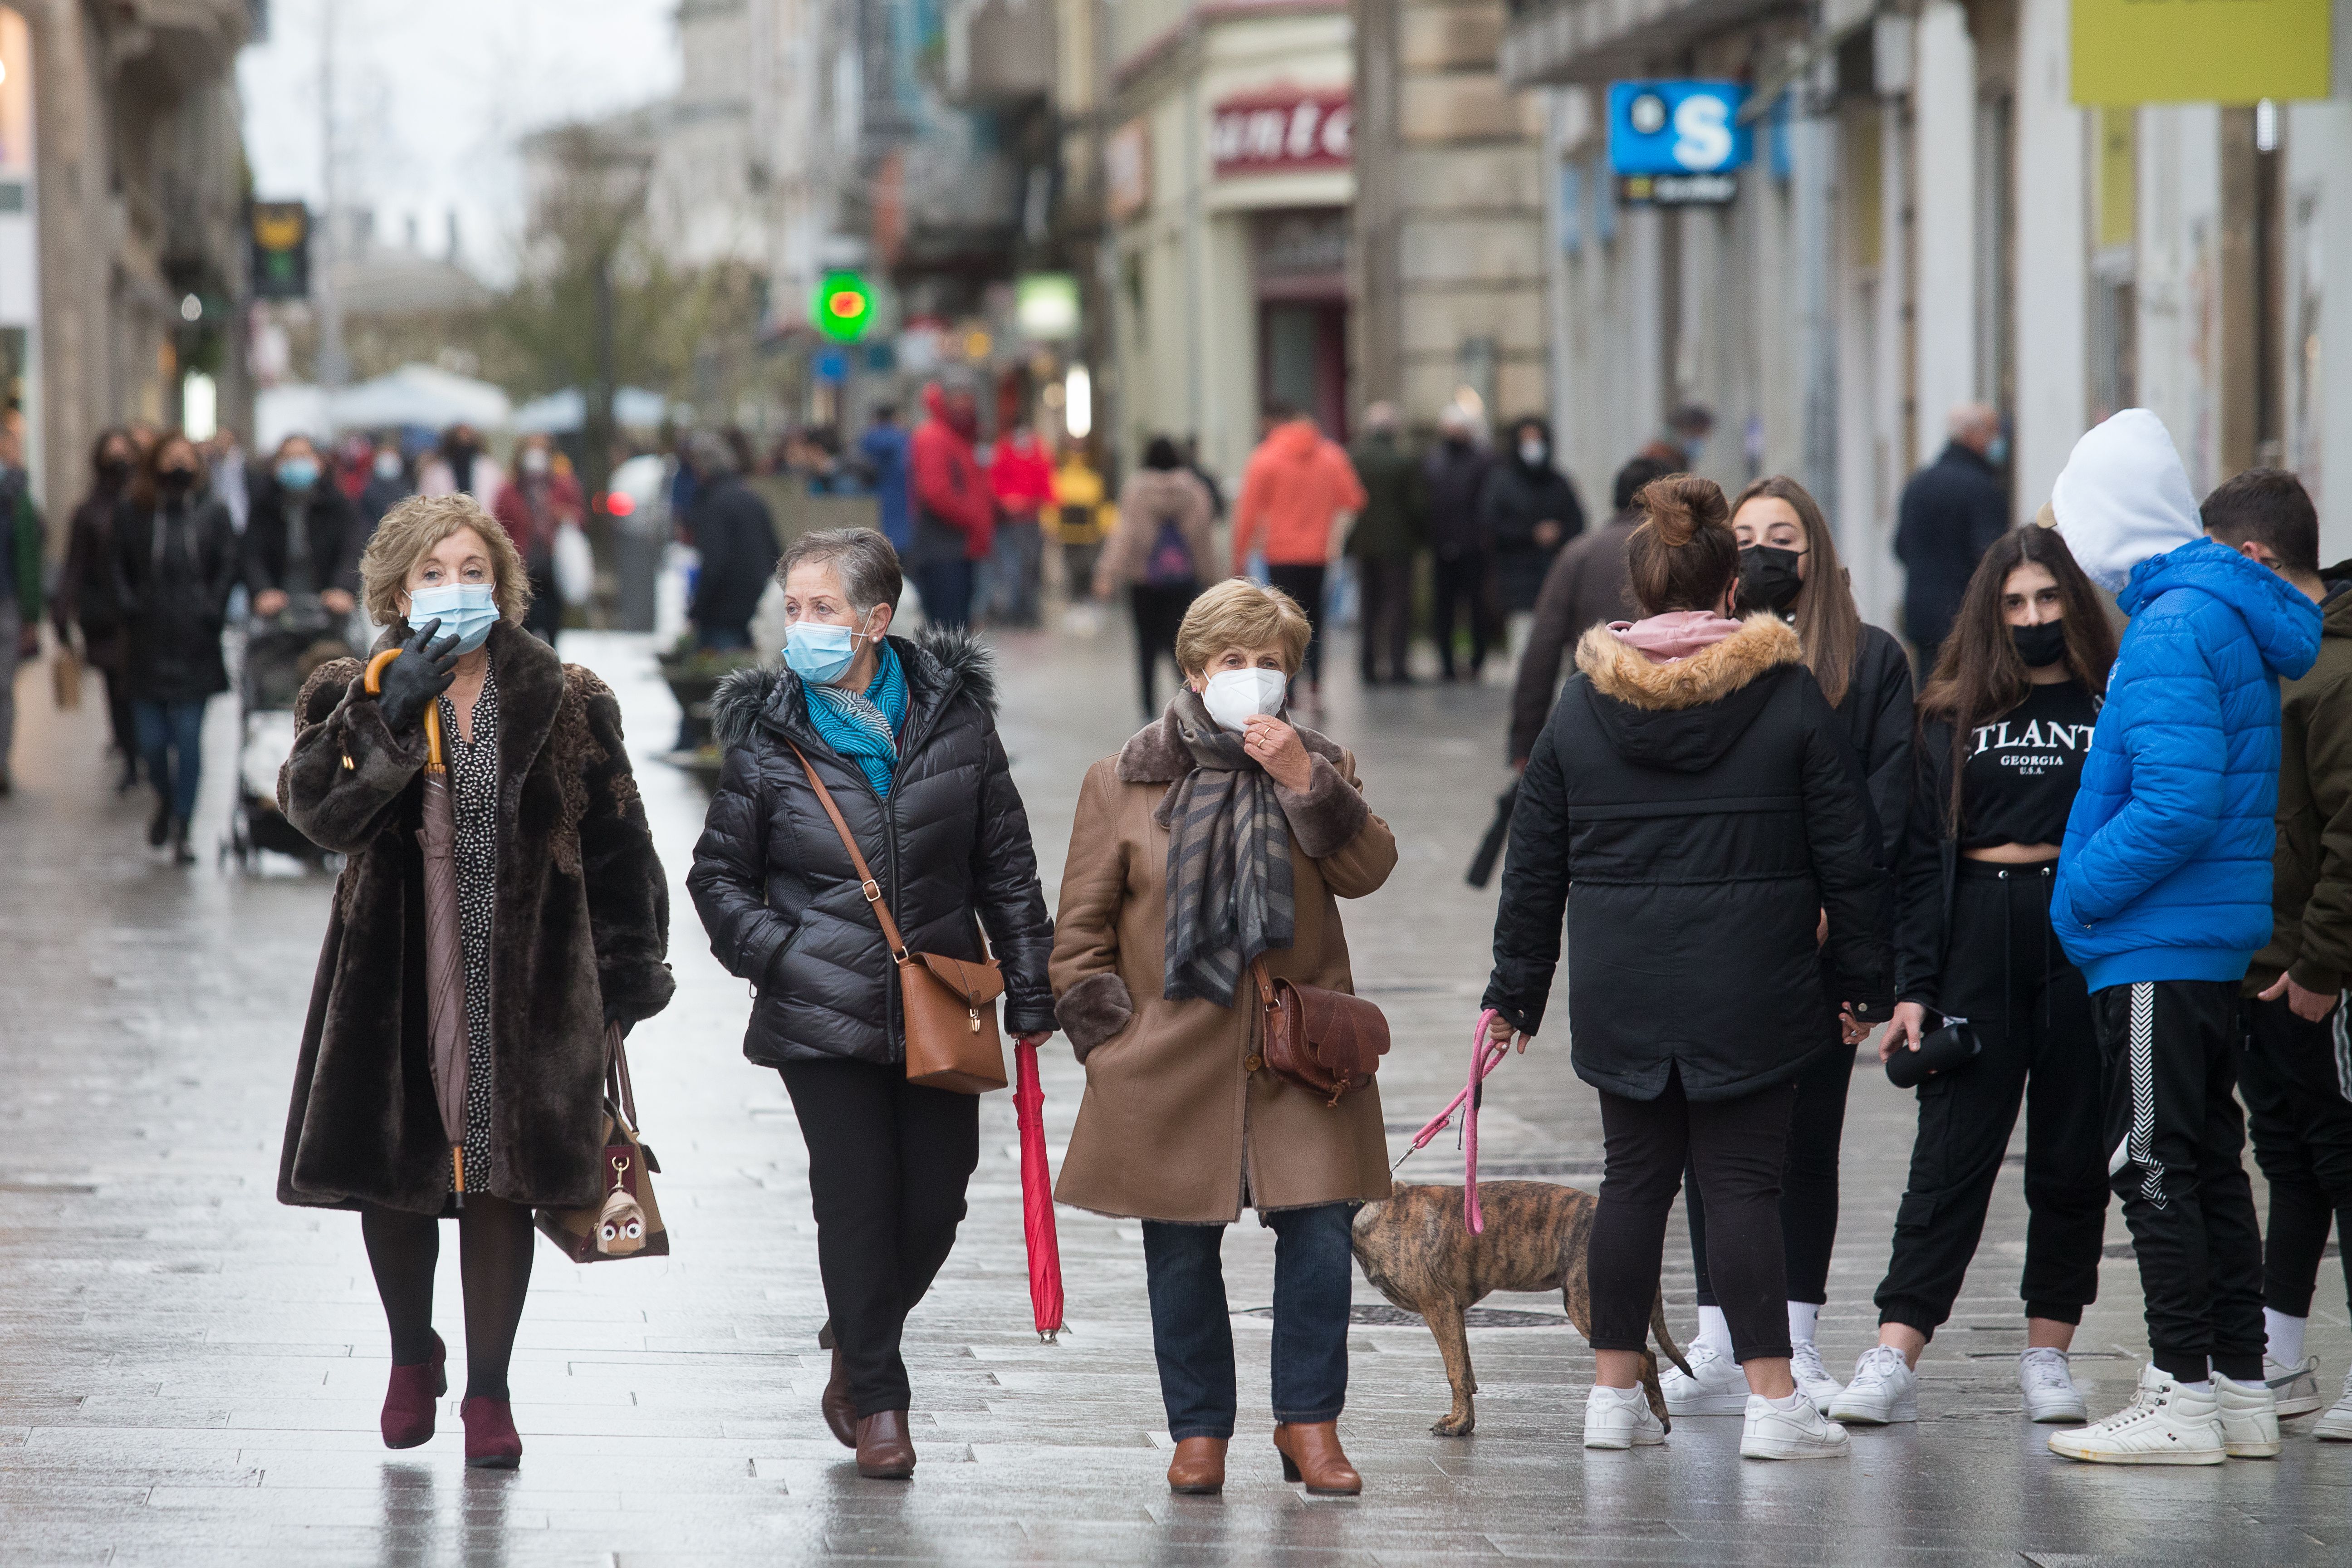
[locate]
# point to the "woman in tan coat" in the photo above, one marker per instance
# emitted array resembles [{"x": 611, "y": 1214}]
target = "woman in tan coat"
[
  {"x": 1220, "y": 835},
  {"x": 1162, "y": 552}
]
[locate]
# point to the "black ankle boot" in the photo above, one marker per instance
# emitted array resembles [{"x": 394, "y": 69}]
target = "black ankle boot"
[
  {"x": 181, "y": 854},
  {"x": 159, "y": 826}
]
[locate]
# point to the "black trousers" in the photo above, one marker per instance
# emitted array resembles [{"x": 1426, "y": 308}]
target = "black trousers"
[
  {"x": 946, "y": 586},
  {"x": 2004, "y": 972},
  {"x": 2175, "y": 1135},
  {"x": 1158, "y": 612},
  {"x": 2296, "y": 1077},
  {"x": 1304, "y": 583},
  {"x": 1464, "y": 581},
  {"x": 887, "y": 1164},
  {"x": 1809, "y": 1180},
  {"x": 1738, "y": 1146},
  {"x": 1386, "y": 618}
]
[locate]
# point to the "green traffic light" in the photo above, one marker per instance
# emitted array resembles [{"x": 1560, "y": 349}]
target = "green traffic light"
[{"x": 843, "y": 307}]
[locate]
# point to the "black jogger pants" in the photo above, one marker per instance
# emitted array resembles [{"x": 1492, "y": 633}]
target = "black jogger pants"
[
  {"x": 2296, "y": 1077},
  {"x": 1809, "y": 1180}
]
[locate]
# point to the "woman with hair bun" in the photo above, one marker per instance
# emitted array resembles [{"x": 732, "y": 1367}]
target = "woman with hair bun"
[{"x": 1694, "y": 810}]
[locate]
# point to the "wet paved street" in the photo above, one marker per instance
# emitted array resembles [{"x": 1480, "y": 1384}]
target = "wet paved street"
[{"x": 190, "y": 1373}]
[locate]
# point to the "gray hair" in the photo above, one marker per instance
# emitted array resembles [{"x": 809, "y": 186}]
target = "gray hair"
[
  {"x": 861, "y": 557},
  {"x": 711, "y": 452}
]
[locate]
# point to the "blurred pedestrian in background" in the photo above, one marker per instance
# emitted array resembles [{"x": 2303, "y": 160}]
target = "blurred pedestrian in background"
[
  {"x": 1191, "y": 447},
  {"x": 1527, "y": 511},
  {"x": 303, "y": 539},
  {"x": 1163, "y": 551},
  {"x": 883, "y": 448},
  {"x": 1586, "y": 586},
  {"x": 388, "y": 483},
  {"x": 534, "y": 506},
  {"x": 955, "y": 513},
  {"x": 1695, "y": 811},
  {"x": 1385, "y": 543},
  {"x": 1021, "y": 477},
  {"x": 1082, "y": 522},
  {"x": 24, "y": 542},
  {"x": 901, "y": 735},
  {"x": 1682, "y": 438},
  {"x": 1182, "y": 1126},
  {"x": 2005, "y": 723},
  {"x": 1297, "y": 493},
  {"x": 232, "y": 479},
  {"x": 175, "y": 560},
  {"x": 85, "y": 595},
  {"x": 1462, "y": 565},
  {"x": 552, "y": 832},
  {"x": 1950, "y": 513},
  {"x": 459, "y": 466},
  {"x": 736, "y": 536}
]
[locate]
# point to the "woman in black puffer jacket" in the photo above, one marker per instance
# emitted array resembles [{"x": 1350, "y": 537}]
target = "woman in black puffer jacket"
[
  {"x": 1700, "y": 798},
  {"x": 903, "y": 734}
]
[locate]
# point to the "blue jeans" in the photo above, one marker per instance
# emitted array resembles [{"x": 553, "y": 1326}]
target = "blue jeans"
[
  {"x": 172, "y": 739},
  {"x": 722, "y": 639},
  {"x": 1192, "y": 1336},
  {"x": 946, "y": 587}
]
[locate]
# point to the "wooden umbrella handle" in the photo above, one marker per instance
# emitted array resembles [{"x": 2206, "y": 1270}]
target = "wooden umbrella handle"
[{"x": 374, "y": 683}]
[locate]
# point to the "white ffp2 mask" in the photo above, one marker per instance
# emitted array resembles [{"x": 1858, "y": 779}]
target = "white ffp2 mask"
[{"x": 1233, "y": 694}]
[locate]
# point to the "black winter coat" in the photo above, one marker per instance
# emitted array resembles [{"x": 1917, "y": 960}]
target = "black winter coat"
[
  {"x": 1692, "y": 819},
  {"x": 332, "y": 532},
  {"x": 1876, "y": 711},
  {"x": 737, "y": 540},
  {"x": 173, "y": 573},
  {"x": 85, "y": 593},
  {"x": 1452, "y": 474},
  {"x": 1511, "y": 503},
  {"x": 1950, "y": 513},
  {"x": 776, "y": 890}
]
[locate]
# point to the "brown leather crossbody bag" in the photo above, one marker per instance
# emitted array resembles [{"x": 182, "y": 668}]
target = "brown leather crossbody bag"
[
  {"x": 1324, "y": 1041},
  {"x": 948, "y": 1004}
]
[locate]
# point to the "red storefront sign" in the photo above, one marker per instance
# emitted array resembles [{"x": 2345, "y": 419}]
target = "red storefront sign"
[{"x": 1282, "y": 130}]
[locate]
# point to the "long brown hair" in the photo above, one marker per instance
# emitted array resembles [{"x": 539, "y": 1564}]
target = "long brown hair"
[
  {"x": 1683, "y": 555},
  {"x": 1829, "y": 626},
  {"x": 1979, "y": 675}
]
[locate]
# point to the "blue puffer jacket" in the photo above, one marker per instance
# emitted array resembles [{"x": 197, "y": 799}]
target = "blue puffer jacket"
[{"x": 2166, "y": 873}]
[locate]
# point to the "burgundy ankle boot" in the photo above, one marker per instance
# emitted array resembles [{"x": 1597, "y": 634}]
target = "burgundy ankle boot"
[
  {"x": 491, "y": 1443},
  {"x": 408, "y": 1403}
]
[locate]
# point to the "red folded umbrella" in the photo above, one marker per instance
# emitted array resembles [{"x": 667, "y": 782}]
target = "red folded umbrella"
[{"x": 1037, "y": 1193}]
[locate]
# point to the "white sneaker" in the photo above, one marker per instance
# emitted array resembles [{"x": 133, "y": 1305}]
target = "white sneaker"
[
  {"x": 1790, "y": 1429},
  {"x": 1620, "y": 1418},
  {"x": 1805, "y": 1366},
  {"x": 1716, "y": 1386},
  {"x": 2294, "y": 1388},
  {"x": 2047, "y": 1381},
  {"x": 2336, "y": 1427},
  {"x": 2249, "y": 1418},
  {"x": 2164, "y": 1423},
  {"x": 1883, "y": 1389}
]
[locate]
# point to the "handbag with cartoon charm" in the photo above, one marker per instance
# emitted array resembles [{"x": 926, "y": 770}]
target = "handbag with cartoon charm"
[{"x": 625, "y": 1222}]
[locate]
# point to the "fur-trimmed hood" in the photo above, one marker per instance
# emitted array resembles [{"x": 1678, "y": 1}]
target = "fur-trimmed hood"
[
  {"x": 941, "y": 662},
  {"x": 1156, "y": 754},
  {"x": 1684, "y": 713}
]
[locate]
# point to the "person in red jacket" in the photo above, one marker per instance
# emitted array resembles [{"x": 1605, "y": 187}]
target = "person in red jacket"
[
  {"x": 1297, "y": 486},
  {"x": 955, "y": 514},
  {"x": 1021, "y": 476}
]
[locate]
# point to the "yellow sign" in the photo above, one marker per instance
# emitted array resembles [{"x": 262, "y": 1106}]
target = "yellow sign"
[{"x": 2192, "y": 51}]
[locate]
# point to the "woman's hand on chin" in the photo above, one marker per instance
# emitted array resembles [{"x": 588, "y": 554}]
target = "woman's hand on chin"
[{"x": 1276, "y": 747}]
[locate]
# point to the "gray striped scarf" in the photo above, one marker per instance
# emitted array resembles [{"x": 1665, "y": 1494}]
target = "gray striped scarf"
[{"x": 1229, "y": 892}]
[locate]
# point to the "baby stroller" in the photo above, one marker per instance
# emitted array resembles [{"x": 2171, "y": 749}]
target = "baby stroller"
[{"x": 280, "y": 652}]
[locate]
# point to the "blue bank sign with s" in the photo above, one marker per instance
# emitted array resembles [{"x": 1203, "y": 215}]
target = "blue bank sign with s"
[{"x": 1677, "y": 140}]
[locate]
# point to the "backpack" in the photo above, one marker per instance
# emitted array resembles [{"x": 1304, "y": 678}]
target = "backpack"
[{"x": 1170, "y": 564}]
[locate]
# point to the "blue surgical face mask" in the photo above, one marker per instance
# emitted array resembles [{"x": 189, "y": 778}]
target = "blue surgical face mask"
[
  {"x": 466, "y": 610},
  {"x": 298, "y": 473},
  {"x": 818, "y": 651},
  {"x": 1997, "y": 450}
]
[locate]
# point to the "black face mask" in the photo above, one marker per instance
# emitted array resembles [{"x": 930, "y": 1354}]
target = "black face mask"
[
  {"x": 2041, "y": 645},
  {"x": 1769, "y": 577},
  {"x": 175, "y": 481},
  {"x": 114, "y": 471}
]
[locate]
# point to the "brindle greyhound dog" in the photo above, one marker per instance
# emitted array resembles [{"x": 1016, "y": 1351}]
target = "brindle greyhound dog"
[{"x": 1417, "y": 1248}]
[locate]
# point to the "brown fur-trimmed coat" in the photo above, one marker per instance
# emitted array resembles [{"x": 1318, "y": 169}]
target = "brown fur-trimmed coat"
[
  {"x": 581, "y": 924},
  {"x": 1174, "y": 1120}
]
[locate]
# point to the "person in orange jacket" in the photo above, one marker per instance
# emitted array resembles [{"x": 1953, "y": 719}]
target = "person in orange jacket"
[{"x": 1296, "y": 487}]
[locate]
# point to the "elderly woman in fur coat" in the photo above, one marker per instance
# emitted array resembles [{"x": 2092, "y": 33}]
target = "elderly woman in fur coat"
[
  {"x": 564, "y": 922},
  {"x": 1219, "y": 836},
  {"x": 903, "y": 735}
]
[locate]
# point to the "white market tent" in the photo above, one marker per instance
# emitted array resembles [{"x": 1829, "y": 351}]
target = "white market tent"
[
  {"x": 418, "y": 396},
  {"x": 561, "y": 413}
]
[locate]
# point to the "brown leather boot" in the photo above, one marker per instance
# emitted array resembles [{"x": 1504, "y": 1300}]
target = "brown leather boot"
[
  {"x": 840, "y": 1409},
  {"x": 1311, "y": 1453},
  {"x": 885, "y": 1452},
  {"x": 1198, "y": 1467}
]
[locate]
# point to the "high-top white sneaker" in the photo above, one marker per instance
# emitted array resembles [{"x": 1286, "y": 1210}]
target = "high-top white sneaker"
[
  {"x": 1883, "y": 1389},
  {"x": 2295, "y": 1388},
  {"x": 2249, "y": 1418},
  {"x": 1620, "y": 1418},
  {"x": 2047, "y": 1381},
  {"x": 2336, "y": 1427},
  {"x": 1805, "y": 1366},
  {"x": 1716, "y": 1386},
  {"x": 1790, "y": 1429},
  {"x": 2164, "y": 1423}
]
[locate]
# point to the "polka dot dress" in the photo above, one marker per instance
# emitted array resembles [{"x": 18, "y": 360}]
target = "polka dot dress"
[{"x": 474, "y": 793}]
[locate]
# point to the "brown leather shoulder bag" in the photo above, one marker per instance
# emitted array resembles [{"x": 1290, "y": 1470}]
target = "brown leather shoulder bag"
[
  {"x": 949, "y": 1005},
  {"x": 1324, "y": 1041}
]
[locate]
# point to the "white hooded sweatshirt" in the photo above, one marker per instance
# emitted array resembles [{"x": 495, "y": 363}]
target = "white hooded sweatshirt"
[{"x": 2123, "y": 496}]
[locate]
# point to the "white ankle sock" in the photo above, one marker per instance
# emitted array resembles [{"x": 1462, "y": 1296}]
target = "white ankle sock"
[
  {"x": 2202, "y": 1385},
  {"x": 1715, "y": 1330},
  {"x": 2238, "y": 1383},
  {"x": 2286, "y": 1337},
  {"x": 1800, "y": 1400},
  {"x": 1803, "y": 1316}
]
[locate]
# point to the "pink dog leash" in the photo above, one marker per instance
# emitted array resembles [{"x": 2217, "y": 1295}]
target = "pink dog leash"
[{"x": 1484, "y": 1057}]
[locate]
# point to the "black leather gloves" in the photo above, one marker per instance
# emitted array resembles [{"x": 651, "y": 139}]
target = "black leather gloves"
[{"x": 422, "y": 673}]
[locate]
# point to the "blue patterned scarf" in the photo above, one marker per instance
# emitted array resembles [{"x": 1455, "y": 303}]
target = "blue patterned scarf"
[{"x": 865, "y": 727}]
